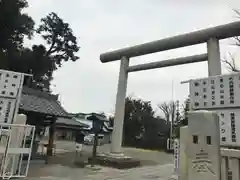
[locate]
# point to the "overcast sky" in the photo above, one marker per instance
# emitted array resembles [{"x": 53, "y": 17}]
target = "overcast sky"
[{"x": 102, "y": 25}]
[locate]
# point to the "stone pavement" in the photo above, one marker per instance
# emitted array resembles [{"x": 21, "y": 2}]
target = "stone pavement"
[{"x": 58, "y": 172}]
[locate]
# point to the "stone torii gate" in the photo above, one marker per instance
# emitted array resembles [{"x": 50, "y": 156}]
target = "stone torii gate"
[{"x": 210, "y": 36}]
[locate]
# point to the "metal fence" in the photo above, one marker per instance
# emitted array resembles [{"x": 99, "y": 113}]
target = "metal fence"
[{"x": 15, "y": 149}]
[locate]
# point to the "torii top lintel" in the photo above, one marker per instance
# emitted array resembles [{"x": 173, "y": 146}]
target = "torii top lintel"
[{"x": 188, "y": 39}]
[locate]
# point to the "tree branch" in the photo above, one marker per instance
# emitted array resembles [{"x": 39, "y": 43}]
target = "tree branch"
[
  {"x": 231, "y": 64},
  {"x": 237, "y": 41},
  {"x": 164, "y": 107},
  {"x": 51, "y": 47},
  {"x": 237, "y": 12}
]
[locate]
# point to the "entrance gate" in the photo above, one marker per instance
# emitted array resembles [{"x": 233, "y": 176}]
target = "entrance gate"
[{"x": 211, "y": 36}]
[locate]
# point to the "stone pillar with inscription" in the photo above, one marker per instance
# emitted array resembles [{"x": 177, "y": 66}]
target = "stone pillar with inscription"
[
  {"x": 183, "y": 170},
  {"x": 203, "y": 146}
]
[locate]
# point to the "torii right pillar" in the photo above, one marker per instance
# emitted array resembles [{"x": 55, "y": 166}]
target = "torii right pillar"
[{"x": 214, "y": 59}]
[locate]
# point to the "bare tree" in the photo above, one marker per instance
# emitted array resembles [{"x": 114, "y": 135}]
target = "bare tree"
[
  {"x": 165, "y": 109},
  {"x": 169, "y": 110},
  {"x": 231, "y": 61}
]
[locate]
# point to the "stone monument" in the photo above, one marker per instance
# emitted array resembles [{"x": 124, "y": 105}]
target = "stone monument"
[{"x": 203, "y": 146}]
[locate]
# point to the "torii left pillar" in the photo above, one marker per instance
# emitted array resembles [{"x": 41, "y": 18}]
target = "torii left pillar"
[{"x": 116, "y": 145}]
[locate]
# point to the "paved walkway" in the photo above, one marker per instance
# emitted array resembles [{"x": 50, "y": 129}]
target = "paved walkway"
[{"x": 58, "y": 172}]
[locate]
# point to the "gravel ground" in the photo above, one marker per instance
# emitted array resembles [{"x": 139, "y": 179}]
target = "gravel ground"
[
  {"x": 55, "y": 172},
  {"x": 157, "y": 165},
  {"x": 146, "y": 156}
]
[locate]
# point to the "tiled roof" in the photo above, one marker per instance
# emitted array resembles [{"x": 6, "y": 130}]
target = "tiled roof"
[
  {"x": 70, "y": 122},
  {"x": 106, "y": 127},
  {"x": 41, "y": 102},
  {"x": 89, "y": 122}
]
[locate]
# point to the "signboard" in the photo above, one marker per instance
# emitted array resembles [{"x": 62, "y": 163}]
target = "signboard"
[
  {"x": 229, "y": 127},
  {"x": 215, "y": 92},
  {"x": 220, "y": 94},
  {"x": 9, "y": 83},
  {"x": 10, "y": 92}
]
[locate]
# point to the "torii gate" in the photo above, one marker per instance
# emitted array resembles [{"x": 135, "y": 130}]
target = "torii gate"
[{"x": 211, "y": 36}]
